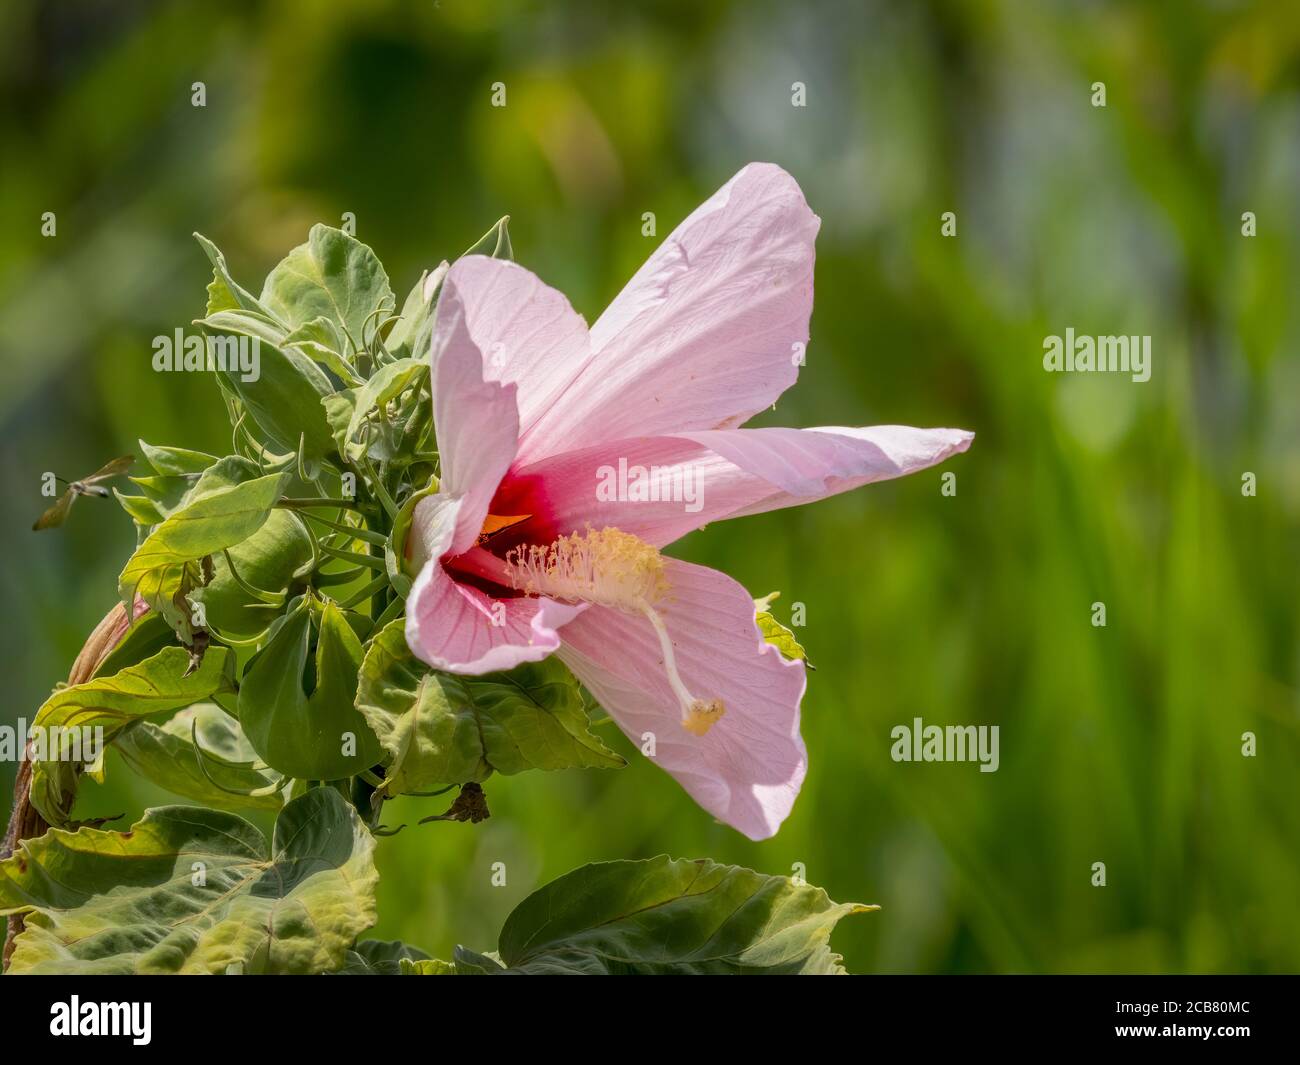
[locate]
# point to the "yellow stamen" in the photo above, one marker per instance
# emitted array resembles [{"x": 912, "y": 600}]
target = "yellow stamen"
[{"x": 609, "y": 567}]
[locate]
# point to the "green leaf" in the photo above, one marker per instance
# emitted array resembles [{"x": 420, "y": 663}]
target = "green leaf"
[
  {"x": 176, "y": 460},
  {"x": 388, "y": 383},
  {"x": 377, "y": 957},
  {"x": 313, "y": 734},
  {"x": 442, "y": 729},
  {"x": 780, "y": 637},
  {"x": 466, "y": 962},
  {"x": 165, "y": 754},
  {"x": 170, "y": 491},
  {"x": 164, "y": 566},
  {"x": 112, "y": 703},
  {"x": 395, "y": 557},
  {"x": 140, "y": 509},
  {"x": 427, "y": 967},
  {"x": 267, "y": 560},
  {"x": 224, "y": 293},
  {"x": 495, "y": 242},
  {"x": 320, "y": 340},
  {"x": 284, "y": 401},
  {"x": 164, "y": 492},
  {"x": 192, "y": 890},
  {"x": 225, "y": 473},
  {"x": 666, "y": 916},
  {"x": 407, "y": 336},
  {"x": 338, "y": 407},
  {"x": 334, "y": 276},
  {"x": 774, "y": 632},
  {"x": 147, "y": 635}
]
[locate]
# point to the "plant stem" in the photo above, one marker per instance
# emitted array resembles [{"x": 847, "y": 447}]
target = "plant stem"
[
  {"x": 317, "y": 502},
  {"x": 354, "y": 531},
  {"x": 375, "y": 586}
]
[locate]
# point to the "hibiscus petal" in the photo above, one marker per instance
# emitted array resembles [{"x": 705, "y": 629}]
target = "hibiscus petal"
[
  {"x": 801, "y": 465},
  {"x": 708, "y": 476},
  {"x": 476, "y": 418},
  {"x": 433, "y": 528},
  {"x": 748, "y": 768},
  {"x": 705, "y": 334},
  {"x": 528, "y": 335},
  {"x": 458, "y": 628}
]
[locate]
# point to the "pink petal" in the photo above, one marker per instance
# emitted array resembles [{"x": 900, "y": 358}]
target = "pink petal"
[
  {"x": 457, "y": 628},
  {"x": 748, "y": 768},
  {"x": 475, "y": 417},
  {"x": 529, "y": 336},
  {"x": 705, "y": 334},
  {"x": 433, "y": 528},
  {"x": 801, "y": 465},
  {"x": 731, "y": 472}
]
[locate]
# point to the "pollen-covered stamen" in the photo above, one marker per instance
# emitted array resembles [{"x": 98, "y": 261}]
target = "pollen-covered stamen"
[
  {"x": 607, "y": 566},
  {"x": 611, "y": 568}
]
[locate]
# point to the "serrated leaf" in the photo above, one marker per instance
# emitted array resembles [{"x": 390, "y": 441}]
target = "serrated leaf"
[
  {"x": 673, "y": 917},
  {"x": 332, "y": 275},
  {"x": 439, "y": 729},
  {"x": 165, "y": 754},
  {"x": 112, "y": 703},
  {"x": 163, "y": 566},
  {"x": 301, "y": 733},
  {"x": 193, "y": 890}
]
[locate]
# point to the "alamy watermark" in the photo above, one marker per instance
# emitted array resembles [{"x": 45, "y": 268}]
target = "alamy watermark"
[
  {"x": 624, "y": 483},
  {"x": 1108, "y": 354},
  {"x": 195, "y": 353},
  {"x": 77, "y": 1018},
  {"x": 919, "y": 742},
  {"x": 57, "y": 743}
]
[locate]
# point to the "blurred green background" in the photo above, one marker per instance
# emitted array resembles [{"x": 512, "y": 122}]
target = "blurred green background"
[{"x": 1119, "y": 744}]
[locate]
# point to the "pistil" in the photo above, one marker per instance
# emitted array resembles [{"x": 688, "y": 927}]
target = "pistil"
[{"x": 612, "y": 568}]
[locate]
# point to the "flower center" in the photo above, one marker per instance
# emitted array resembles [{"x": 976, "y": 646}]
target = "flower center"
[
  {"x": 608, "y": 567},
  {"x": 612, "y": 568}
]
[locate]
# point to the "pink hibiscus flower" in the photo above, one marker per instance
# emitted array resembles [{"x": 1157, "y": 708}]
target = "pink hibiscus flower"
[{"x": 521, "y": 554}]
